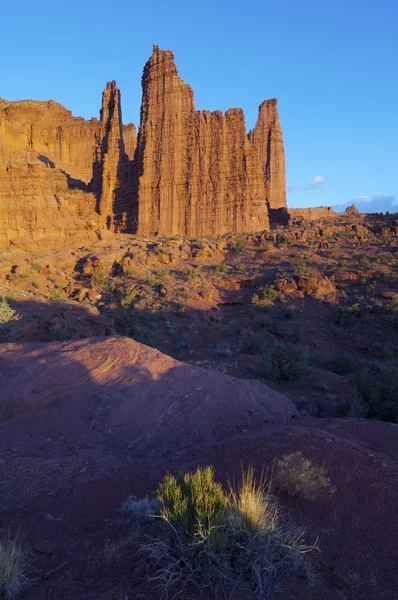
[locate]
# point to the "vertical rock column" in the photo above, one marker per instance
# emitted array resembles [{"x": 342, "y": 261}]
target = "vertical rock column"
[
  {"x": 197, "y": 172},
  {"x": 166, "y": 113},
  {"x": 109, "y": 154},
  {"x": 266, "y": 137}
]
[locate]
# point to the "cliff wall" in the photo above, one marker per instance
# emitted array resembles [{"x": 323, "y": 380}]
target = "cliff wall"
[{"x": 198, "y": 174}]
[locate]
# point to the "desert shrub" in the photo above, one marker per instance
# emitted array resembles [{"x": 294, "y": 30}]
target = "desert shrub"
[
  {"x": 384, "y": 257},
  {"x": 344, "y": 315},
  {"x": 57, "y": 294},
  {"x": 392, "y": 305},
  {"x": 239, "y": 245},
  {"x": 240, "y": 269},
  {"x": 189, "y": 273},
  {"x": 265, "y": 296},
  {"x": 128, "y": 296},
  {"x": 8, "y": 321},
  {"x": 246, "y": 547},
  {"x": 364, "y": 262},
  {"x": 158, "y": 251},
  {"x": 298, "y": 477},
  {"x": 342, "y": 364},
  {"x": 193, "y": 503},
  {"x": 36, "y": 266},
  {"x": 286, "y": 362},
  {"x": 99, "y": 278},
  {"x": 251, "y": 344},
  {"x": 376, "y": 390},
  {"x": 16, "y": 276},
  {"x": 60, "y": 335},
  {"x": 222, "y": 269},
  {"x": 143, "y": 510},
  {"x": 14, "y": 566}
]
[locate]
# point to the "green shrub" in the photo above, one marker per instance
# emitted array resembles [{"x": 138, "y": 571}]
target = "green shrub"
[
  {"x": 364, "y": 262},
  {"x": 265, "y": 296},
  {"x": 193, "y": 503},
  {"x": 392, "y": 305},
  {"x": 57, "y": 294},
  {"x": 238, "y": 543},
  {"x": 239, "y": 245},
  {"x": 376, "y": 390},
  {"x": 128, "y": 296},
  {"x": 298, "y": 477},
  {"x": 344, "y": 315},
  {"x": 222, "y": 269},
  {"x": 36, "y": 266},
  {"x": 286, "y": 362},
  {"x": 342, "y": 364},
  {"x": 8, "y": 320},
  {"x": 99, "y": 278},
  {"x": 251, "y": 344},
  {"x": 189, "y": 273}
]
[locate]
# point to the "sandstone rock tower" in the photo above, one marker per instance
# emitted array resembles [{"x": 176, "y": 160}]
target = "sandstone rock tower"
[
  {"x": 266, "y": 137},
  {"x": 198, "y": 174},
  {"x": 110, "y": 154}
]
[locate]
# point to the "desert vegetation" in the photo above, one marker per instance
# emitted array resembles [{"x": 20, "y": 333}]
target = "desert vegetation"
[{"x": 221, "y": 541}]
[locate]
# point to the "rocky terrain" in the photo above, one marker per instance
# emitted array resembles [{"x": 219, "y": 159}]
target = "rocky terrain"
[
  {"x": 138, "y": 355},
  {"x": 189, "y": 172}
]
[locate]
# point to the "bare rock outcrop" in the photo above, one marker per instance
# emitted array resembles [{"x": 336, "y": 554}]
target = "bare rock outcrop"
[
  {"x": 311, "y": 214},
  {"x": 151, "y": 403},
  {"x": 198, "y": 174},
  {"x": 50, "y": 131},
  {"x": 35, "y": 203},
  {"x": 267, "y": 138}
]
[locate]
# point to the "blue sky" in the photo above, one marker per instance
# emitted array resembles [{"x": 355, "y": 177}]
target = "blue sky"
[{"x": 331, "y": 63}]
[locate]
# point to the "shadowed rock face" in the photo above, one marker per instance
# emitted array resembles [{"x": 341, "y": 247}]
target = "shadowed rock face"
[
  {"x": 190, "y": 172},
  {"x": 110, "y": 154}
]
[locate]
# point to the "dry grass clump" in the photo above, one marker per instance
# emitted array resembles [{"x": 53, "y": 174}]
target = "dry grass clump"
[
  {"x": 14, "y": 566},
  {"x": 143, "y": 509},
  {"x": 298, "y": 477},
  {"x": 223, "y": 542}
]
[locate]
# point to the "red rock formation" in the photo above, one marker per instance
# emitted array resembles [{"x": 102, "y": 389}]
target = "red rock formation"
[
  {"x": 197, "y": 172},
  {"x": 35, "y": 203},
  {"x": 130, "y": 140},
  {"x": 50, "y": 130},
  {"x": 266, "y": 137},
  {"x": 352, "y": 211},
  {"x": 110, "y": 154},
  {"x": 312, "y": 214}
]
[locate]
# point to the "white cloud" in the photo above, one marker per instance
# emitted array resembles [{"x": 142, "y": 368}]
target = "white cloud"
[
  {"x": 318, "y": 179},
  {"x": 363, "y": 197},
  {"x": 315, "y": 183}
]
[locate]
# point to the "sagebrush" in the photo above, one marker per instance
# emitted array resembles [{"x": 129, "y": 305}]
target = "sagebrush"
[
  {"x": 223, "y": 542},
  {"x": 298, "y": 477}
]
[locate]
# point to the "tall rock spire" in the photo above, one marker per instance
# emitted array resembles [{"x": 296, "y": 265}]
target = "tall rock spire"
[
  {"x": 197, "y": 172},
  {"x": 109, "y": 154},
  {"x": 266, "y": 137}
]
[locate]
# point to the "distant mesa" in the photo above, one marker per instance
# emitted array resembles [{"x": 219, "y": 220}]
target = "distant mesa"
[{"x": 188, "y": 172}]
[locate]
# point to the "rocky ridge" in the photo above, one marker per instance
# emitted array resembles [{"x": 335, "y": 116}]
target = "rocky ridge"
[{"x": 190, "y": 172}]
